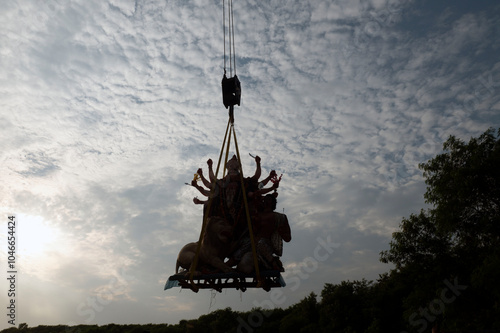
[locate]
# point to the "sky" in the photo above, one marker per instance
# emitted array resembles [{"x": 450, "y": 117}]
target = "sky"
[{"x": 107, "y": 109}]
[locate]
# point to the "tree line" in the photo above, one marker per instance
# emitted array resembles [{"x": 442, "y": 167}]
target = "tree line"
[{"x": 446, "y": 266}]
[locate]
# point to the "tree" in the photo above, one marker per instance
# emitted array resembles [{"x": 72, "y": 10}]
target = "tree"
[
  {"x": 387, "y": 297},
  {"x": 303, "y": 316},
  {"x": 346, "y": 307},
  {"x": 225, "y": 320},
  {"x": 464, "y": 186},
  {"x": 457, "y": 239}
]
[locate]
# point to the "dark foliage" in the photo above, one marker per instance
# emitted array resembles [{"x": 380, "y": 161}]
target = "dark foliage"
[{"x": 449, "y": 254}]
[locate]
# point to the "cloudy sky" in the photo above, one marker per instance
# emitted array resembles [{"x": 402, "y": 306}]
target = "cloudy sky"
[{"x": 108, "y": 107}]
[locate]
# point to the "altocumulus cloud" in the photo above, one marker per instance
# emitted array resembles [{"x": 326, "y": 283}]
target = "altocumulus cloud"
[{"x": 109, "y": 107}]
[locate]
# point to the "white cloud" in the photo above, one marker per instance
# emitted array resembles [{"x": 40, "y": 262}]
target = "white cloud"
[{"x": 108, "y": 108}]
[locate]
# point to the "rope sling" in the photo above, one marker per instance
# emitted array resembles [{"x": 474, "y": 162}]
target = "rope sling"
[{"x": 231, "y": 93}]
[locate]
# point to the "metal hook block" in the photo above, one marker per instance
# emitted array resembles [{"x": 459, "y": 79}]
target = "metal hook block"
[{"x": 231, "y": 91}]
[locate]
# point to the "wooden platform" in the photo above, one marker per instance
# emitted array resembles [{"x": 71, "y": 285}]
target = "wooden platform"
[{"x": 219, "y": 281}]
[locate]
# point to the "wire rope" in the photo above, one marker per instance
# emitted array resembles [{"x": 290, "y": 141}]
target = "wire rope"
[{"x": 231, "y": 49}]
